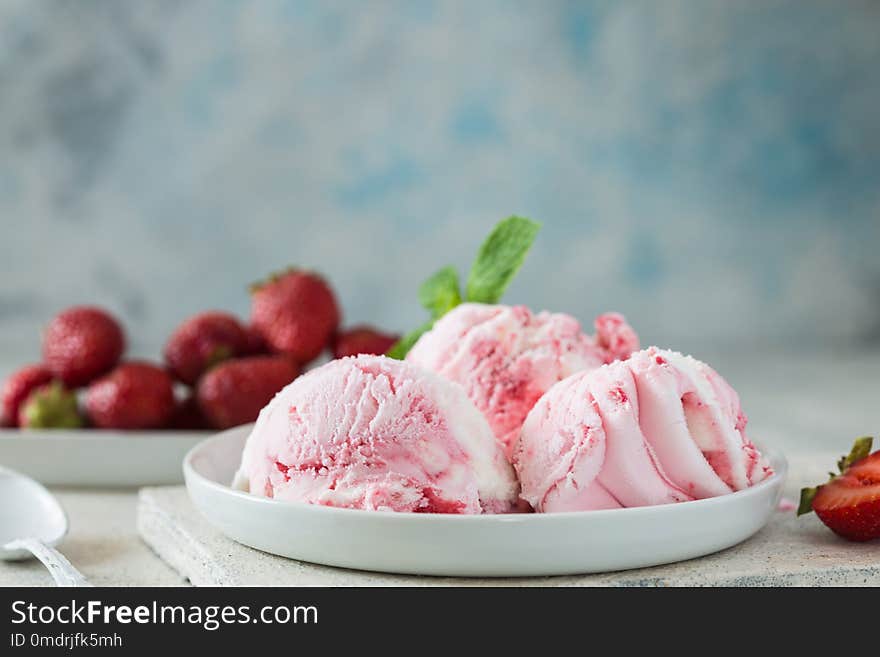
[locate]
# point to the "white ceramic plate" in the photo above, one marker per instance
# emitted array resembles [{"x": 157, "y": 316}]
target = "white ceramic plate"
[
  {"x": 485, "y": 546},
  {"x": 87, "y": 457}
]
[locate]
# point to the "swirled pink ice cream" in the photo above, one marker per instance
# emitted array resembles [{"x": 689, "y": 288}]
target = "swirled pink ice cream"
[
  {"x": 369, "y": 432},
  {"x": 506, "y": 357},
  {"x": 657, "y": 428}
]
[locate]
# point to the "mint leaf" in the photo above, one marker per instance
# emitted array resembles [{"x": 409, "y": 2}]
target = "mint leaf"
[
  {"x": 500, "y": 257},
  {"x": 440, "y": 293},
  {"x": 401, "y": 348}
]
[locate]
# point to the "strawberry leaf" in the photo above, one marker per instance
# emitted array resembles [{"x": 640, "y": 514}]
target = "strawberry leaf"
[
  {"x": 273, "y": 277},
  {"x": 860, "y": 449},
  {"x": 806, "y": 503}
]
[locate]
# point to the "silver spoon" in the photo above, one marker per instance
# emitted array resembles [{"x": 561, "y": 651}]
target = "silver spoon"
[{"x": 32, "y": 523}]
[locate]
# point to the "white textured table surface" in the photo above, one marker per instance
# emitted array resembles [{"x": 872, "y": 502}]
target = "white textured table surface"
[
  {"x": 103, "y": 543},
  {"x": 809, "y": 405},
  {"x": 788, "y": 552}
]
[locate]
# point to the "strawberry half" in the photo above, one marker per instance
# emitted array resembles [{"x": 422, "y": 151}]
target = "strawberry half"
[{"x": 849, "y": 504}]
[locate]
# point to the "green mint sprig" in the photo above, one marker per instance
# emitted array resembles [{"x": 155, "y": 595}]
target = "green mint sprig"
[
  {"x": 440, "y": 293},
  {"x": 499, "y": 259},
  {"x": 401, "y": 348}
]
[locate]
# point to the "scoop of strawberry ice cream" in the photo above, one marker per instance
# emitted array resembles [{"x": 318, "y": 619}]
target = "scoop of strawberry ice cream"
[
  {"x": 506, "y": 357},
  {"x": 562, "y": 450},
  {"x": 657, "y": 428},
  {"x": 369, "y": 432}
]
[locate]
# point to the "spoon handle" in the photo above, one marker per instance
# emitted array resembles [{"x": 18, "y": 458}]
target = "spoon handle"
[{"x": 60, "y": 568}]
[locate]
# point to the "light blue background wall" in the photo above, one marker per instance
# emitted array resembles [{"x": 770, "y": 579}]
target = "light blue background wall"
[{"x": 712, "y": 169}]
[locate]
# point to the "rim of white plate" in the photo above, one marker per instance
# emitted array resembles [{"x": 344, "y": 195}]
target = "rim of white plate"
[{"x": 777, "y": 460}]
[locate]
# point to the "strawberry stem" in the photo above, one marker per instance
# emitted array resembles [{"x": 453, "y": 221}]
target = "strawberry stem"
[{"x": 274, "y": 277}]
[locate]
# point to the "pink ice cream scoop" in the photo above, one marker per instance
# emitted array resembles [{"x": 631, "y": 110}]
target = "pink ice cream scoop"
[
  {"x": 657, "y": 428},
  {"x": 369, "y": 432},
  {"x": 506, "y": 357}
]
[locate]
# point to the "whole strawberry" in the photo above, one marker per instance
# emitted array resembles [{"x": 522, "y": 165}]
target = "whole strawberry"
[
  {"x": 362, "y": 340},
  {"x": 82, "y": 343},
  {"x": 234, "y": 392},
  {"x": 201, "y": 342},
  {"x": 136, "y": 395},
  {"x": 50, "y": 406},
  {"x": 849, "y": 504},
  {"x": 16, "y": 388},
  {"x": 296, "y": 313}
]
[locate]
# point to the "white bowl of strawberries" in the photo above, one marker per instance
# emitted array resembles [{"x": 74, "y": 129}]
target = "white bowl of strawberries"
[{"x": 87, "y": 416}]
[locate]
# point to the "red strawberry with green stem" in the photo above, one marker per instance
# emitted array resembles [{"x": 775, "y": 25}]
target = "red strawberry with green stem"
[
  {"x": 51, "y": 406},
  {"x": 234, "y": 392},
  {"x": 296, "y": 313},
  {"x": 16, "y": 389},
  {"x": 136, "y": 395},
  {"x": 82, "y": 343},
  {"x": 849, "y": 504},
  {"x": 203, "y": 341}
]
